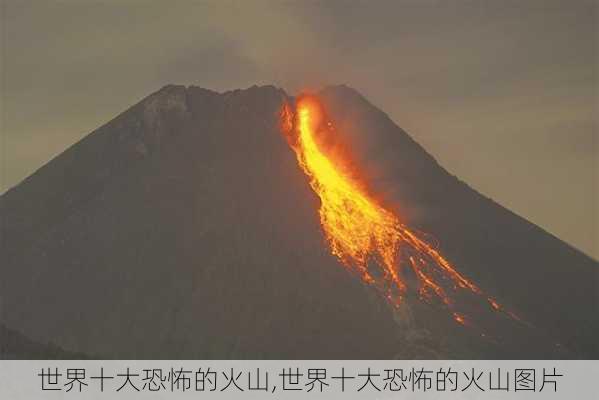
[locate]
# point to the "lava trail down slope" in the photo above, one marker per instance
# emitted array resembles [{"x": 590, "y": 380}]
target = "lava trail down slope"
[{"x": 185, "y": 228}]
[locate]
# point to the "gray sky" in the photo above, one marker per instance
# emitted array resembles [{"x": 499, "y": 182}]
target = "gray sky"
[{"x": 503, "y": 93}]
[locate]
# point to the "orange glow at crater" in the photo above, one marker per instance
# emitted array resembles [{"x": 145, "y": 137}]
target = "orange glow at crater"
[{"x": 365, "y": 236}]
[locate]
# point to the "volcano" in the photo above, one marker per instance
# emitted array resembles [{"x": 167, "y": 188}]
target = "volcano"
[{"x": 188, "y": 228}]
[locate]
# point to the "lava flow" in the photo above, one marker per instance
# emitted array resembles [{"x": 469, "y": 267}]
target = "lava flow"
[{"x": 362, "y": 234}]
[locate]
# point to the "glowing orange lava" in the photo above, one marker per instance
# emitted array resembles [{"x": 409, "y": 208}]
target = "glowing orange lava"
[{"x": 365, "y": 236}]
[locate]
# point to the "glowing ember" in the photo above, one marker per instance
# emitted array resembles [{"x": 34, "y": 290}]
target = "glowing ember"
[{"x": 366, "y": 237}]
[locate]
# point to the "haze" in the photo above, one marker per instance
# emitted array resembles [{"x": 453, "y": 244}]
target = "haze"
[{"x": 503, "y": 94}]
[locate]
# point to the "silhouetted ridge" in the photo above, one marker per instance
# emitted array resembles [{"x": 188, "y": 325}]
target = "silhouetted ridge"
[{"x": 183, "y": 228}]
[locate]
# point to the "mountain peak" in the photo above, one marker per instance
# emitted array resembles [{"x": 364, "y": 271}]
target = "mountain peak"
[{"x": 192, "y": 200}]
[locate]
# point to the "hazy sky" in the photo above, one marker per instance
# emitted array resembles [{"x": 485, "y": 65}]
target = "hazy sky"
[{"x": 503, "y": 93}]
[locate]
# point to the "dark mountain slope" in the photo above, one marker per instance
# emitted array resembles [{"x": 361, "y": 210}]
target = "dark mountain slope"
[
  {"x": 182, "y": 229},
  {"x": 185, "y": 229},
  {"x": 554, "y": 286}
]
